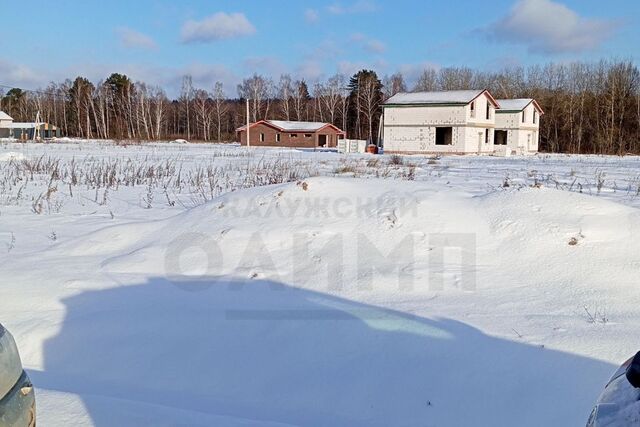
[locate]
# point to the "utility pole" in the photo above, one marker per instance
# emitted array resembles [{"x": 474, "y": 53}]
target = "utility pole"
[
  {"x": 248, "y": 124},
  {"x": 36, "y": 129},
  {"x": 380, "y": 142}
]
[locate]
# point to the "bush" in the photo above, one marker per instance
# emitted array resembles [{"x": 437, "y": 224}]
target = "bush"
[{"x": 396, "y": 159}]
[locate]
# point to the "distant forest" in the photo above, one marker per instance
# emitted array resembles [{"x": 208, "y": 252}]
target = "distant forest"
[{"x": 590, "y": 107}]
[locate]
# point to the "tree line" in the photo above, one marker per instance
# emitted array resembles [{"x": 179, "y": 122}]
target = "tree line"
[{"x": 590, "y": 107}]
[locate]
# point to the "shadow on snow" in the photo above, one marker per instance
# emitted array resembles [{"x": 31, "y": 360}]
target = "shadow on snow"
[{"x": 259, "y": 350}]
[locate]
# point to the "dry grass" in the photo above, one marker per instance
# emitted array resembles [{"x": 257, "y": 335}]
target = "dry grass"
[
  {"x": 48, "y": 183},
  {"x": 396, "y": 160},
  {"x": 49, "y": 180},
  {"x": 346, "y": 169}
]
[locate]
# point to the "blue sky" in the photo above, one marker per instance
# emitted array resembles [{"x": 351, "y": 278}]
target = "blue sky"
[{"x": 158, "y": 41}]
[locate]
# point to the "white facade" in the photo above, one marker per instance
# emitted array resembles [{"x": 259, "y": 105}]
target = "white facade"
[
  {"x": 5, "y": 120},
  {"x": 5, "y": 124},
  {"x": 440, "y": 122},
  {"x": 518, "y": 126},
  {"x": 25, "y": 130}
]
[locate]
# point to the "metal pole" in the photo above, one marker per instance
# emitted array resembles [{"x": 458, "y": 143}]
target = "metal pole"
[
  {"x": 248, "y": 124},
  {"x": 381, "y": 131}
]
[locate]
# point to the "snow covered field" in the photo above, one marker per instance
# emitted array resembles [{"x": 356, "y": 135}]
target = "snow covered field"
[{"x": 179, "y": 284}]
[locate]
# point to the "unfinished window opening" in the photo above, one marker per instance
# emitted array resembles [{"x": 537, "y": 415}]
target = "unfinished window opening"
[
  {"x": 486, "y": 136},
  {"x": 444, "y": 136},
  {"x": 524, "y": 116},
  {"x": 277, "y": 137},
  {"x": 262, "y": 137},
  {"x": 294, "y": 135},
  {"x": 500, "y": 137},
  {"x": 535, "y": 117},
  {"x": 307, "y": 135},
  {"x": 488, "y": 111},
  {"x": 473, "y": 109}
]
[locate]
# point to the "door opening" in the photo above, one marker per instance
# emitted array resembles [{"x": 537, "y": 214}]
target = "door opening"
[
  {"x": 500, "y": 137},
  {"x": 444, "y": 136}
]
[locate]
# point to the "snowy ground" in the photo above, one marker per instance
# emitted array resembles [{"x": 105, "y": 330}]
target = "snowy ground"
[{"x": 179, "y": 284}]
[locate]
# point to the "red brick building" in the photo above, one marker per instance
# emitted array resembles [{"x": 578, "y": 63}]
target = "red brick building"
[{"x": 277, "y": 133}]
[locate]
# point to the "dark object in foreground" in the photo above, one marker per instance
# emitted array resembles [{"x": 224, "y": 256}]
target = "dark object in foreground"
[
  {"x": 619, "y": 403},
  {"x": 633, "y": 371},
  {"x": 17, "y": 398}
]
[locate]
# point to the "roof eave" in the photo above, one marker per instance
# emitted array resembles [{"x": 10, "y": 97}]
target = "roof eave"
[
  {"x": 491, "y": 98},
  {"x": 540, "y": 110},
  {"x": 446, "y": 104},
  {"x": 331, "y": 125},
  {"x": 260, "y": 122},
  {"x": 427, "y": 104},
  {"x": 283, "y": 130}
]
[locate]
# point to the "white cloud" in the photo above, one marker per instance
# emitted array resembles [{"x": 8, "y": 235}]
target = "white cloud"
[
  {"x": 374, "y": 46},
  {"x": 550, "y": 27},
  {"x": 265, "y": 65},
  {"x": 360, "y": 6},
  {"x": 326, "y": 50},
  {"x": 20, "y": 75},
  {"x": 412, "y": 71},
  {"x": 219, "y": 26},
  {"x": 336, "y": 9},
  {"x": 349, "y": 68},
  {"x": 368, "y": 44},
  {"x": 310, "y": 71},
  {"x": 135, "y": 40},
  {"x": 204, "y": 77},
  {"x": 167, "y": 77},
  {"x": 311, "y": 16}
]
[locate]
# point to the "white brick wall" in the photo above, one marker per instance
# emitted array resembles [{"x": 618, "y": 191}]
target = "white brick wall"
[
  {"x": 522, "y": 137},
  {"x": 413, "y": 128}
]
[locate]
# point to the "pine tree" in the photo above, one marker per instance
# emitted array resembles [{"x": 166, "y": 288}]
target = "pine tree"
[{"x": 365, "y": 99}]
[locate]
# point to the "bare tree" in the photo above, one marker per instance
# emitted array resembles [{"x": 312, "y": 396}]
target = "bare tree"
[
  {"x": 366, "y": 95},
  {"x": 589, "y": 107},
  {"x": 332, "y": 95},
  {"x": 159, "y": 106},
  {"x": 203, "y": 111},
  {"x": 455, "y": 78},
  {"x": 394, "y": 84},
  {"x": 318, "y": 102},
  {"x": 427, "y": 82},
  {"x": 300, "y": 99},
  {"x": 220, "y": 107},
  {"x": 186, "y": 96},
  {"x": 285, "y": 93},
  {"x": 259, "y": 91}
]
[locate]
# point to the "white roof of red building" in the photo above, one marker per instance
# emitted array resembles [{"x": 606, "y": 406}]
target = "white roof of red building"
[
  {"x": 292, "y": 126},
  {"x": 303, "y": 126}
]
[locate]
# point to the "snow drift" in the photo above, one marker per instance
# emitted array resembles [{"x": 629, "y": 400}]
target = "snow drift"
[{"x": 339, "y": 302}]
